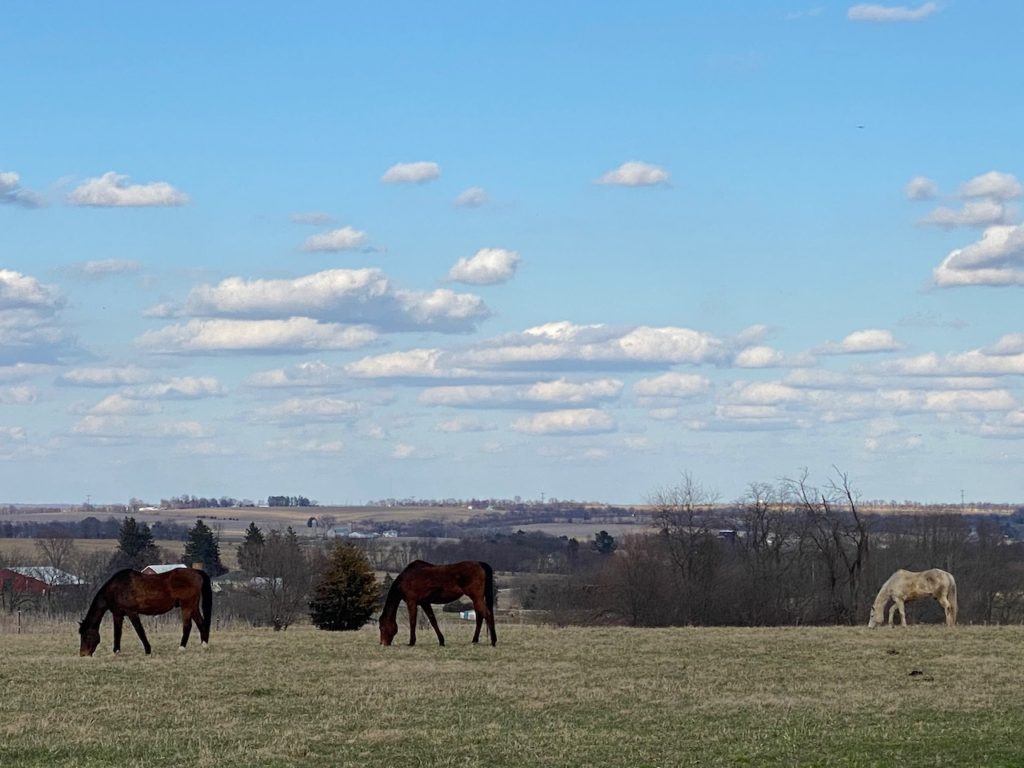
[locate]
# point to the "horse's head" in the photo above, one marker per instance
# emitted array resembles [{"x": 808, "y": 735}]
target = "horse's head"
[
  {"x": 388, "y": 630},
  {"x": 873, "y": 619},
  {"x": 90, "y": 639}
]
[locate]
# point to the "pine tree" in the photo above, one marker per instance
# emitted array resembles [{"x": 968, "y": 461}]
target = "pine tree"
[
  {"x": 135, "y": 547},
  {"x": 250, "y": 551},
  {"x": 346, "y": 594},
  {"x": 201, "y": 547}
]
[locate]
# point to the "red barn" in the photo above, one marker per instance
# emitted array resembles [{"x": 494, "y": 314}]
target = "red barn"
[{"x": 35, "y": 580}]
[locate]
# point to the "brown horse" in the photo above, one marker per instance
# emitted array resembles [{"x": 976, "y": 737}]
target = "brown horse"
[
  {"x": 421, "y": 584},
  {"x": 130, "y": 593},
  {"x": 904, "y": 586}
]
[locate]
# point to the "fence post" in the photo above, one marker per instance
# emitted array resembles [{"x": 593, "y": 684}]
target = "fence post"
[{"x": 19, "y": 621}]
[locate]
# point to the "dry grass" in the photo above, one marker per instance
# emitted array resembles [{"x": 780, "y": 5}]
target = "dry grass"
[{"x": 543, "y": 697}]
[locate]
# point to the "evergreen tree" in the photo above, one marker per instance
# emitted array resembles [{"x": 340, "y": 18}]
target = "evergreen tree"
[
  {"x": 347, "y": 591},
  {"x": 250, "y": 551},
  {"x": 135, "y": 546},
  {"x": 604, "y": 543},
  {"x": 201, "y": 547}
]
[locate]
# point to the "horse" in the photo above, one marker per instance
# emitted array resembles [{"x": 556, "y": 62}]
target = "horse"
[
  {"x": 904, "y": 586},
  {"x": 130, "y": 593},
  {"x": 422, "y": 583}
]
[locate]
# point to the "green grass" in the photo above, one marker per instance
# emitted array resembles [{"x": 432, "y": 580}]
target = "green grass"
[{"x": 543, "y": 697}]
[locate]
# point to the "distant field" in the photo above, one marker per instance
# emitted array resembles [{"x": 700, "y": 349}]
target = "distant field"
[{"x": 926, "y": 696}]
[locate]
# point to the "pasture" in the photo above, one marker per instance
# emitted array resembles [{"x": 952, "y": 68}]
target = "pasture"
[{"x": 924, "y": 696}]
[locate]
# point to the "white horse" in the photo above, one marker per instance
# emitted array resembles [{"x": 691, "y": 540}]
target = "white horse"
[{"x": 905, "y": 586}]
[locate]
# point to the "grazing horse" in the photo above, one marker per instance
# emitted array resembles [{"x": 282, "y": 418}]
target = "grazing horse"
[
  {"x": 421, "y": 584},
  {"x": 904, "y": 586},
  {"x": 130, "y": 593}
]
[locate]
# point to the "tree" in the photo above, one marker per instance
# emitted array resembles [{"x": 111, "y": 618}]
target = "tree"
[
  {"x": 604, "y": 542},
  {"x": 284, "y": 581},
  {"x": 56, "y": 546},
  {"x": 135, "y": 546},
  {"x": 250, "y": 551},
  {"x": 201, "y": 547},
  {"x": 346, "y": 593}
]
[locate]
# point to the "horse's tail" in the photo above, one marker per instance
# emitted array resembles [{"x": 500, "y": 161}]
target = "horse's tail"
[
  {"x": 952, "y": 597},
  {"x": 488, "y": 586},
  {"x": 207, "y": 608}
]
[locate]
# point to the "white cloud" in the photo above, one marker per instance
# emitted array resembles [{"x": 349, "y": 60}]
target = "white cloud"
[
  {"x": 974, "y": 213},
  {"x": 975, "y": 362},
  {"x": 568, "y": 422},
  {"x": 464, "y": 424},
  {"x": 994, "y": 184},
  {"x": 22, "y": 291},
  {"x": 472, "y": 197},
  {"x": 180, "y": 388},
  {"x": 921, "y": 188},
  {"x": 295, "y": 334},
  {"x": 316, "y": 218},
  {"x": 117, "y": 427},
  {"x": 363, "y": 296},
  {"x": 545, "y": 393},
  {"x": 990, "y": 261},
  {"x": 344, "y": 239},
  {"x": 12, "y": 193},
  {"x": 487, "y": 267},
  {"x": 635, "y": 174},
  {"x": 112, "y": 190},
  {"x": 886, "y": 13},
  {"x": 313, "y": 373},
  {"x": 861, "y": 342},
  {"x": 298, "y": 411},
  {"x": 19, "y": 395},
  {"x": 409, "y": 364},
  {"x": 119, "y": 405},
  {"x": 672, "y": 385},
  {"x": 759, "y": 357},
  {"x": 105, "y": 376},
  {"x": 101, "y": 268},
  {"x": 29, "y": 331},
  {"x": 411, "y": 173},
  {"x": 322, "y": 447},
  {"x": 22, "y": 371}
]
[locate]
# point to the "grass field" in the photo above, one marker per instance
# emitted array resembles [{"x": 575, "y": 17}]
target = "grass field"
[{"x": 926, "y": 696}]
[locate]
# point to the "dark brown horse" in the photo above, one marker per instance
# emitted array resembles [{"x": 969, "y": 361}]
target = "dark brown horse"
[
  {"x": 130, "y": 593},
  {"x": 421, "y": 584}
]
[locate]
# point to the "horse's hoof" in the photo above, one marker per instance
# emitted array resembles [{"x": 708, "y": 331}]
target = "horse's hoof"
[
  {"x": 204, "y": 645},
  {"x": 181, "y": 647}
]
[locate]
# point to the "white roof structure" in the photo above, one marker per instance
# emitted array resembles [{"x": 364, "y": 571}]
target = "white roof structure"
[
  {"x": 53, "y": 577},
  {"x": 164, "y": 567}
]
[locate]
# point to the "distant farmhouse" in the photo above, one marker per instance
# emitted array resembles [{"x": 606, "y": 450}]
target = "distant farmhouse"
[{"x": 36, "y": 580}]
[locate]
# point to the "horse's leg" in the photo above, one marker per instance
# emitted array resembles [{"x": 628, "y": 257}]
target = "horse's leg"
[
  {"x": 902, "y": 608},
  {"x": 483, "y": 613},
  {"x": 411, "y": 607},
  {"x": 186, "y": 626},
  {"x": 433, "y": 621},
  {"x": 134, "y": 619},
  {"x": 948, "y": 608},
  {"x": 118, "y": 626}
]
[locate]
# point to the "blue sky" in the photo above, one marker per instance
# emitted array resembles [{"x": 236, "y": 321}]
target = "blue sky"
[{"x": 451, "y": 251}]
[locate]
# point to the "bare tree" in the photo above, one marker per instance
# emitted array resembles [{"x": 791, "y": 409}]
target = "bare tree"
[
  {"x": 839, "y": 533},
  {"x": 56, "y": 546}
]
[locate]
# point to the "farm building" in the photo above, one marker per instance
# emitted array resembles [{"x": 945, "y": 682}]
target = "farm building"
[
  {"x": 36, "y": 579},
  {"x": 163, "y": 567}
]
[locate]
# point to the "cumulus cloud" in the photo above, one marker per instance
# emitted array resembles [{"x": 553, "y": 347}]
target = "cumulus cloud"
[
  {"x": 974, "y": 213},
  {"x": 408, "y": 364},
  {"x": 411, "y": 173},
  {"x": 487, "y": 267},
  {"x": 921, "y": 188},
  {"x": 472, "y": 197},
  {"x": 581, "y": 421},
  {"x": 22, "y": 371},
  {"x": 361, "y": 296},
  {"x": 29, "y": 331},
  {"x": 295, "y": 334},
  {"x": 994, "y": 184},
  {"x": 120, "y": 428},
  {"x": 178, "y": 388},
  {"x": 19, "y": 395},
  {"x": 635, "y": 174},
  {"x": 112, "y": 190},
  {"x": 888, "y": 13},
  {"x": 995, "y": 260},
  {"x": 314, "y": 373},
  {"x": 540, "y": 394},
  {"x": 119, "y": 405},
  {"x": 861, "y": 342},
  {"x": 312, "y": 446},
  {"x": 975, "y": 362},
  {"x": 673, "y": 386},
  {"x": 344, "y": 239},
  {"x": 12, "y": 193}
]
